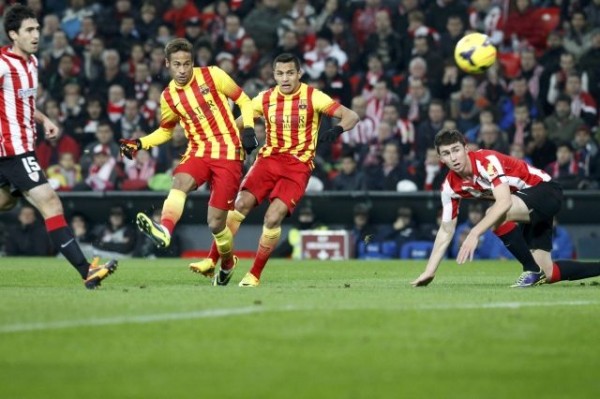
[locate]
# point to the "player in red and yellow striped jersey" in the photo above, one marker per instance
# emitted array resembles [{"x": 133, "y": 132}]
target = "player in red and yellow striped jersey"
[
  {"x": 197, "y": 99},
  {"x": 292, "y": 112}
]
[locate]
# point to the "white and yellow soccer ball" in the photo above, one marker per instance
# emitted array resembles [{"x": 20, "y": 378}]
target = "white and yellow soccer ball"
[{"x": 475, "y": 53}]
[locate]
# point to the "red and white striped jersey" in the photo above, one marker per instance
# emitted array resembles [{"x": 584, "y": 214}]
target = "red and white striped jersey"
[
  {"x": 490, "y": 169},
  {"x": 18, "y": 89}
]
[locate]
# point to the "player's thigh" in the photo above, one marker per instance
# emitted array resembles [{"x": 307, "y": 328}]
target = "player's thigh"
[
  {"x": 260, "y": 179},
  {"x": 291, "y": 188},
  {"x": 224, "y": 183},
  {"x": 191, "y": 173},
  {"x": 518, "y": 212}
]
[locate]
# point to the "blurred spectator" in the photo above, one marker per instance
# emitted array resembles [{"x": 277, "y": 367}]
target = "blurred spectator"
[
  {"x": 72, "y": 109},
  {"x": 428, "y": 128},
  {"x": 590, "y": 63},
  {"x": 343, "y": 37},
  {"x": 58, "y": 48},
  {"x": 28, "y": 237},
  {"x": 402, "y": 129},
  {"x": 540, "y": 149},
  {"x": 173, "y": 150},
  {"x": 66, "y": 72},
  {"x": 262, "y": 23},
  {"x": 438, "y": 12},
  {"x": 385, "y": 42},
  {"x": 450, "y": 82},
  {"x": 374, "y": 74},
  {"x": 305, "y": 34},
  {"x": 142, "y": 81},
  {"x": 50, "y": 25},
  {"x": 583, "y": 104},
  {"x": 562, "y": 124},
  {"x": 519, "y": 131},
  {"x": 83, "y": 235},
  {"x": 299, "y": 9},
  {"x": 518, "y": 95},
  {"x": 324, "y": 48},
  {"x": 466, "y": 104},
  {"x": 485, "y": 116},
  {"x": 348, "y": 178},
  {"x": 592, "y": 12},
  {"x": 565, "y": 170},
  {"x": 550, "y": 57},
  {"x": 393, "y": 169},
  {"x": 247, "y": 62},
  {"x": 85, "y": 35},
  {"x": 136, "y": 57},
  {"x": 148, "y": 21},
  {"x": 531, "y": 70},
  {"x": 491, "y": 138},
  {"x": 179, "y": 13},
  {"x": 66, "y": 174},
  {"x": 103, "y": 173},
  {"x": 523, "y": 28},
  {"x": 131, "y": 121},
  {"x": 116, "y": 238},
  {"x": 93, "y": 64},
  {"x": 586, "y": 153},
  {"x": 558, "y": 79},
  {"x": 577, "y": 39},
  {"x": 111, "y": 75},
  {"x": 362, "y": 230},
  {"x": 485, "y": 16},
  {"x": 48, "y": 151},
  {"x": 435, "y": 63},
  {"x": 380, "y": 97},
  {"x": 433, "y": 173},
  {"x": 363, "y": 20},
  {"x": 194, "y": 31},
  {"x": 115, "y": 108},
  {"x": 234, "y": 34},
  {"x": 139, "y": 172},
  {"x": 334, "y": 83},
  {"x": 403, "y": 229},
  {"x": 454, "y": 31},
  {"x": 289, "y": 43},
  {"x": 416, "y": 101},
  {"x": 263, "y": 81},
  {"x": 330, "y": 8}
]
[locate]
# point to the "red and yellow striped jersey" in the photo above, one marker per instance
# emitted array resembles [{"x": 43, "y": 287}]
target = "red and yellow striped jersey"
[
  {"x": 292, "y": 121},
  {"x": 203, "y": 110}
]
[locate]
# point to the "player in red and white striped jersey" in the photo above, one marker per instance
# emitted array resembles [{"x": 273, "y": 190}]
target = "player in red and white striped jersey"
[
  {"x": 521, "y": 193},
  {"x": 20, "y": 172}
]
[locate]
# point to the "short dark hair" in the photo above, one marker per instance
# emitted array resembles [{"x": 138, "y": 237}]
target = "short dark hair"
[
  {"x": 448, "y": 137},
  {"x": 176, "y": 45},
  {"x": 14, "y": 16},
  {"x": 284, "y": 58}
]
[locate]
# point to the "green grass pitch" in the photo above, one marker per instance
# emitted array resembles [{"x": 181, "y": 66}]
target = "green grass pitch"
[{"x": 311, "y": 330}]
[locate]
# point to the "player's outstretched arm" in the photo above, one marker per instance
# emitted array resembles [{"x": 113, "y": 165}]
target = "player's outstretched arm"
[
  {"x": 50, "y": 129},
  {"x": 495, "y": 213},
  {"x": 440, "y": 246}
]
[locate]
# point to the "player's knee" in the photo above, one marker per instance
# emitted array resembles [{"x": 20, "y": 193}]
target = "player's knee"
[
  {"x": 243, "y": 204},
  {"x": 273, "y": 219},
  {"x": 217, "y": 223},
  {"x": 183, "y": 182}
]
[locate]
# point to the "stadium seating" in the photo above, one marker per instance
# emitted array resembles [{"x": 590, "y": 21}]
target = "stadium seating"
[{"x": 416, "y": 250}]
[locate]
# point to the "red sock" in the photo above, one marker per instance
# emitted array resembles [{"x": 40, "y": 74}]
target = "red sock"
[
  {"x": 214, "y": 253},
  {"x": 169, "y": 224},
  {"x": 266, "y": 244},
  {"x": 555, "y": 274}
]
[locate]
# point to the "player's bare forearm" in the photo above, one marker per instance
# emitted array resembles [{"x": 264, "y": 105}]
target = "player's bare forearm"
[
  {"x": 496, "y": 212},
  {"x": 443, "y": 239},
  {"x": 39, "y": 116},
  {"x": 348, "y": 118}
]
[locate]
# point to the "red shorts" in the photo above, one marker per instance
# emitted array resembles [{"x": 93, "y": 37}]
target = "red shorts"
[
  {"x": 222, "y": 175},
  {"x": 282, "y": 175}
]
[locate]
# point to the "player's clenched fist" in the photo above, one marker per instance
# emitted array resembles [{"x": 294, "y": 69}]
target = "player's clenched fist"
[
  {"x": 331, "y": 135},
  {"x": 129, "y": 147}
]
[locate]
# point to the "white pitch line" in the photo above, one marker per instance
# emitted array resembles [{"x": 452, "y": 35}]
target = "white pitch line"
[{"x": 229, "y": 312}]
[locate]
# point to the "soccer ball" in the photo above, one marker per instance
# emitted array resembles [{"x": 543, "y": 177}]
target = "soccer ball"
[{"x": 475, "y": 53}]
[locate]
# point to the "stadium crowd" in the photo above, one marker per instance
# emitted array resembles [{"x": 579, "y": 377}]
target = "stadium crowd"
[{"x": 102, "y": 71}]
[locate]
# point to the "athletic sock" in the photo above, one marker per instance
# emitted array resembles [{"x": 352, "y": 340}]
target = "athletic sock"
[
  {"x": 63, "y": 238},
  {"x": 563, "y": 270},
  {"x": 512, "y": 237},
  {"x": 267, "y": 242},
  {"x": 172, "y": 209},
  {"x": 224, "y": 242},
  {"x": 234, "y": 220}
]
